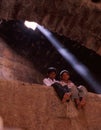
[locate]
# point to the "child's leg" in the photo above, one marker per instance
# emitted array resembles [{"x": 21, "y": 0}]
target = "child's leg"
[
  {"x": 82, "y": 101},
  {"x": 61, "y": 92},
  {"x": 77, "y": 103},
  {"x": 82, "y": 95},
  {"x": 66, "y": 97}
]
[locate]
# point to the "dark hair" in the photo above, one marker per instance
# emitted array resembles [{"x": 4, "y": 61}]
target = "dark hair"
[
  {"x": 51, "y": 69},
  {"x": 64, "y": 71}
]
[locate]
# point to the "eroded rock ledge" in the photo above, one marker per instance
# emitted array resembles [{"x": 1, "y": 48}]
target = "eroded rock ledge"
[{"x": 34, "y": 106}]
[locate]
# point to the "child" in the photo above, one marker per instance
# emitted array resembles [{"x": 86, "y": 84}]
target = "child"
[{"x": 78, "y": 93}]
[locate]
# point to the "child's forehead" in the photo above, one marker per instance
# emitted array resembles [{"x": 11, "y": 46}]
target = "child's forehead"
[
  {"x": 53, "y": 72},
  {"x": 65, "y": 73}
]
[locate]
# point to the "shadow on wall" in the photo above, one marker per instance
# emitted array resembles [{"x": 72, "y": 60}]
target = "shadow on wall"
[
  {"x": 96, "y": 1},
  {"x": 15, "y": 67}
]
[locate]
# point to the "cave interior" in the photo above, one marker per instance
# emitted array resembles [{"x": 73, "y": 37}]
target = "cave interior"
[{"x": 35, "y": 47}]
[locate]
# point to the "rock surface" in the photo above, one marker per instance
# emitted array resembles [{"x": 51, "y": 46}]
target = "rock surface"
[
  {"x": 34, "y": 106},
  {"x": 15, "y": 67},
  {"x": 79, "y": 20}
]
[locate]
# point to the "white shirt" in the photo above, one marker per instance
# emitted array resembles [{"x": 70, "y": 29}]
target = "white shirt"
[
  {"x": 48, "y": 81},
  {"x": 69, "y": 84}
]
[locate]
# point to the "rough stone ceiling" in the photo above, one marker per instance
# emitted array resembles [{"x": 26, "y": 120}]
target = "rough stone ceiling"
[{"x": 79, "y": 20}]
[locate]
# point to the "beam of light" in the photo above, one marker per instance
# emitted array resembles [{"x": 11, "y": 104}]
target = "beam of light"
[{"x": 70, "y": 58}]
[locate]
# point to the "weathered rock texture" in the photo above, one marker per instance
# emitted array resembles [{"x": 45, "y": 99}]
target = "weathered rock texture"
[
  {"x": 36, "y": 107},
  {"x": 15, "y": 67},
  {"x": 80, "y": 19}
]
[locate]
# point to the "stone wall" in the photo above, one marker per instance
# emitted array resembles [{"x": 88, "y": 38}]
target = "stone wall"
[
  {"x": 36, "y": 107},
  {"x": 15, "y": 67}
]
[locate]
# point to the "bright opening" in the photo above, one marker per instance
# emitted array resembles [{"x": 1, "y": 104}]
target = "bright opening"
[{"x": 31, "y": 25}]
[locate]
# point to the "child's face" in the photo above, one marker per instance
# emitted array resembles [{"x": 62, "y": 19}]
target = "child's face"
[
  {"x": 52, "y": 75},
  {"x": 65, "y": 76}
]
